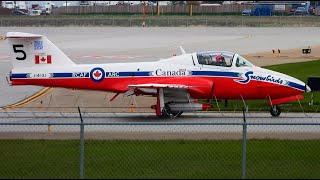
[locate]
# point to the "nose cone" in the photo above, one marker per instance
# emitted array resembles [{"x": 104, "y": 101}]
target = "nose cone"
[
  {"x": 291, "y": 81},
  {"x": 308, "y": 89}
]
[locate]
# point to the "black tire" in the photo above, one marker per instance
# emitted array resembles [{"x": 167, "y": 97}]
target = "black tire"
[
  {"x": 275, "y": 111},
  {"x": 177, "y": 114},
  {"x": 168, "y": 113}
]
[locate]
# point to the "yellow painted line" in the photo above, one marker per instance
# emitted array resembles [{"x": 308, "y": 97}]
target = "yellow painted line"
[
  {"x": 30, "y": 99},
  {"x": 27, "y": 99}
]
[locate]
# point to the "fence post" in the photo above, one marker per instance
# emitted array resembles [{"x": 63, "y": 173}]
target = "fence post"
[
  {"x": 207, "y": 21},
  {"x": 242, "y": 21},
  {"x": 81, "y": 146},
  {"x": 244, "y": 146},
  {"x": 187, "y": 23}
]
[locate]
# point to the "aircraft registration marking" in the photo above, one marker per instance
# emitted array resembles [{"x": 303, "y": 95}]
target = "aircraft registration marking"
[
  {"x": 80, "y": 74},
  {"x": 39, "y": 75}
]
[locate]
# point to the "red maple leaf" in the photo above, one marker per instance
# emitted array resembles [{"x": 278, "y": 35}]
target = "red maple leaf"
[
  {"x": 43, "y": 59},
  {"x": 97, "y": 74}
]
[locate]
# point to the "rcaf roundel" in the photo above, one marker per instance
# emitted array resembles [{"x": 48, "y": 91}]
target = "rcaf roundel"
[{"x": 97, "y": 74}]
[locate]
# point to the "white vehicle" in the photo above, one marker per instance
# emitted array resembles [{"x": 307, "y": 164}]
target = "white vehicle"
[
  {"x": 8, "y": 4},
  {"x": 47, "y": 8},
  {"x": 21, "y": 5},
  {"x": 66, "y": 4},
  {"x": 35, "y": 12},
  {"x": 50, "y": 4}
]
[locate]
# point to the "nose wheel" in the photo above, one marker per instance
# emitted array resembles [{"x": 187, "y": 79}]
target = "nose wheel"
[{"x": 275, "y": 111}]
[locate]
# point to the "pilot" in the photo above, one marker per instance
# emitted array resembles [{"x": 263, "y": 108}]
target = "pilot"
[{"x": 220, "y": 60}]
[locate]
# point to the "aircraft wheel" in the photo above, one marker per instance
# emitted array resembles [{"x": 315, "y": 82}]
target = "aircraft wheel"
[
  {"x": 177, "y": 114},
  {"x": 168, "y": 113},
  {"x": 275, "y": 111}
]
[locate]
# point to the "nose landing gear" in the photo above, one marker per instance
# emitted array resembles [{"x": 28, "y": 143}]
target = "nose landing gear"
[{"x": 275, "y": 111}]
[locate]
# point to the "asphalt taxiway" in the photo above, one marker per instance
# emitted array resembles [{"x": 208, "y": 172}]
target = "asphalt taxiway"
[{"x": 26, "y": 125}]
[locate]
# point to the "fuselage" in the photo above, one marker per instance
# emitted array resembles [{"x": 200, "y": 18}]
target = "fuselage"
[{"x": 223, "y": 82}]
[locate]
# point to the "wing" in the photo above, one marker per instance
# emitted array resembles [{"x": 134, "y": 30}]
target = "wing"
[
  {"x": 196, "y": 88},
  {"x": 151, "y": 89},
  {"x": 172, "y": 92},
  {"x": 156, "y": 86}
]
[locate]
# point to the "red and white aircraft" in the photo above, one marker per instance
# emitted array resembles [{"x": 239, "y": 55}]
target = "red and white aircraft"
[{"x": 175, "y": 81}]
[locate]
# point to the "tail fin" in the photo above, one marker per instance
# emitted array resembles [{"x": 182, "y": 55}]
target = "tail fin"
[{"x": 32, "y": 50}]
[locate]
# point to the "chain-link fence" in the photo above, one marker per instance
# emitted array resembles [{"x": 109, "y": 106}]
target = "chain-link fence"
[
  {"x": 163, "y": 21},
  {"x": 84, "y": 146}
]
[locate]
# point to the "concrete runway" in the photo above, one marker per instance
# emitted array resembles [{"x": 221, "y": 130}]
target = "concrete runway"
[
  {"x": 119, "y": 44},
  {"x": 147, "y": 126}
]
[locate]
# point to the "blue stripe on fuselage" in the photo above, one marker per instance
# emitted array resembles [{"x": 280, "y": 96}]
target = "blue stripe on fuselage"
[
  {"x": 62, "y": 75},
  {"x": 67, "y": 75},
  {"x": 19, "y": 75},
  {"x": 124, "y": 74},
  {"x": 297, "y": 86},
  {"x": 215, "y": 73}
]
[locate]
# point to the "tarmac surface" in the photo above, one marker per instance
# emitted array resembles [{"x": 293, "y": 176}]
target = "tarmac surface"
[
  {"x": 134, "y": 44},
  {"x": 26, "y": 125}
]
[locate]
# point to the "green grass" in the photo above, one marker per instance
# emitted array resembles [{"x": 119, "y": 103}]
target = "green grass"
[
  {"x": 159, "y": 159},
  {"x": 39, "y": 159},
  {"x": 300, "y": 71}
]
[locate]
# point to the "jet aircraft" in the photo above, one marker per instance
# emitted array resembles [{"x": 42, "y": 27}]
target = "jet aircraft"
[{"x": 176, "y": 82}]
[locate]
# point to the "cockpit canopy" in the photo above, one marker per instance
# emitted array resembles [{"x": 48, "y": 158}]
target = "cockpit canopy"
[{"x": 222, "y": 58}]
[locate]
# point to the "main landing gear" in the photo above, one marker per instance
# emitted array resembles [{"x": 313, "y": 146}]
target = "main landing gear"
[
  {"x": 167, "y": 112},
  {"x": 163, "y": 109},
  {"x": 275, "y": 111}
]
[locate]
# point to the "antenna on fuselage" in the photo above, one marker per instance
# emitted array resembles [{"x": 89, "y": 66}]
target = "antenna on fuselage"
[
  {"x": 8, "y": 81},
  {"x": 182, "y": 50}
]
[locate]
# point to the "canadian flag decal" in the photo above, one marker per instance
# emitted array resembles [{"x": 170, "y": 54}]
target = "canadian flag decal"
[{"x": 43, "y": 59}]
